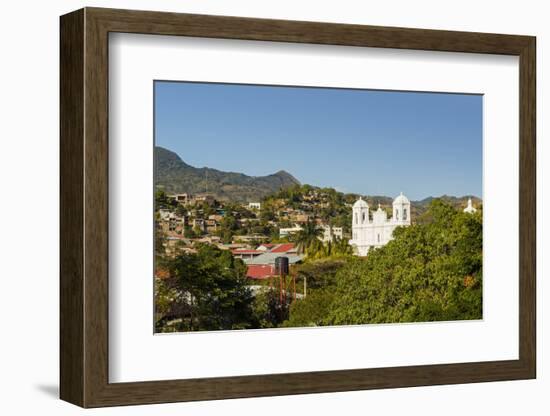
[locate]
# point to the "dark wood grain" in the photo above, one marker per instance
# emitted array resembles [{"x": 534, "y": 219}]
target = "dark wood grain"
[
  {"x": 71, "y": 100},
  {"x": 84, "y": 207},
  {"x": 527, "y": 208}
]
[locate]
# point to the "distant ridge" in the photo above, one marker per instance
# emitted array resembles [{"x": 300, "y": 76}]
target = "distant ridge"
[{"x": 176, "y": 176}]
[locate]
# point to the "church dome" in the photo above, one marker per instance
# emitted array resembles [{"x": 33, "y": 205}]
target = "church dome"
[
  {"x": 360, "y": 203},
  {"x": 401, "y": 200}
]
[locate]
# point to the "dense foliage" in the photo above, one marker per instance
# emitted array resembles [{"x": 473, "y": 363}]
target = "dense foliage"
[
  {"x": 207, "y": 291},
  {"x": 430, "y": 271},
  {"x": 327, "y": 204}
]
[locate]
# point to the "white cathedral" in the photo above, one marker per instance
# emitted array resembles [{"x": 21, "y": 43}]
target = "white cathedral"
[{"x": 367, "y": 233}]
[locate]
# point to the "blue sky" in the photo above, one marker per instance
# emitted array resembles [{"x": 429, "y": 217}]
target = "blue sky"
[{"x": 362, "y": 141}]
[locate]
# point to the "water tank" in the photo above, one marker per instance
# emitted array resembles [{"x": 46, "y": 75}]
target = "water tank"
[{"x": 281, "y": 265}]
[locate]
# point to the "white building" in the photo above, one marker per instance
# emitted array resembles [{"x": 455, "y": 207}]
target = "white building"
[
  {"x": 378, "y": 231},
  {"x": 470, "y": 208},
  {"x": 285, "y": 232},
  {"x": 254, "y": 205},
  {"x": 331, "y": 233}
]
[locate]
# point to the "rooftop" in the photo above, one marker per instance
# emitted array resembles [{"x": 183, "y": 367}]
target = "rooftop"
[
  {"x": 282, "y": 248},
  {"x": 269, "y": 258},
  {"x": 259, "y": 271},
  {"x": 246, "y": 251}
]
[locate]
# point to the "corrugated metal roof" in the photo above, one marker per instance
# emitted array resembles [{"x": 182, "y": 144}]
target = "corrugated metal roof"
[
  {"x": 244, "y": 251},
  {"x": 269, "y": 258},
  {"x": 259, "y": 271}
]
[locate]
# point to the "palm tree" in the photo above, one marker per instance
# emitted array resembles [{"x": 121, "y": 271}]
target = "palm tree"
[
  {"x": 307, "y": 236},
  {"x": 341, "y": 247}
]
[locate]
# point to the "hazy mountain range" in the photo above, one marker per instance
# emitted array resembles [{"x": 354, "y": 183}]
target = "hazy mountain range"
[{"x": 176, "y": 176}]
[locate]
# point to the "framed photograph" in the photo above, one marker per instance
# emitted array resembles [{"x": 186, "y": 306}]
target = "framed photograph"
[{"x": 254, "y": 207}]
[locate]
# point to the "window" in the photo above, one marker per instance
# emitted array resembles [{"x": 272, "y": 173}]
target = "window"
[
  {"x": 378, "y": 237},
  {"x": 363, "y": 219},
  {"x": 356, "y": 219},
  {"x": 404, "y": 214}
]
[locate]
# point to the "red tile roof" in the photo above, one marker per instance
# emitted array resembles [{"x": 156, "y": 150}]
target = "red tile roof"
[
  {"x": 259, "y": 271},
  {"x": 283, "y": 248},
  {"x": 268, "y": 245}
]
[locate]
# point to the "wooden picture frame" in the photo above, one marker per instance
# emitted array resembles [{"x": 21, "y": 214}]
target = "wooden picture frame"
[{"x": 84, "y": 207}]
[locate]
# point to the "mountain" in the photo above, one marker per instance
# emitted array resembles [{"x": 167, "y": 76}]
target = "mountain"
[
  {"x": 176, "y": 176},
  {"x": 419, "y": 207}
]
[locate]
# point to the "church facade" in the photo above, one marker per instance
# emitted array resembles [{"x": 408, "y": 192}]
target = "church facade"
[{"x": 377, "y": 231}]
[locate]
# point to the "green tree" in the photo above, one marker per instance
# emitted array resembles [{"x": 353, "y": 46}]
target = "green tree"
[
  {"x": 188, "y": 232},
  {"x": 162, "y": 201},
  {"x": 267, "y": 214},
  {"x": 160, "y": 240},
  {"x": 268, "y": 309},
  {"x": 430, "y": 271},
  {"x": 181, "y": 211},
  {"x": 213, "y": 284},
  {"x": 312, "y": 310},
  {"x": 307, "y": 236},
  {"x": 228, "y": 227},
  {"x": 320, "y": 278}
]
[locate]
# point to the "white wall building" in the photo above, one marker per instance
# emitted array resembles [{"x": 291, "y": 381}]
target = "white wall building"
[
  {"x": 254, "y": 205},
  {"x": 470, "y": 208},
  {"x": 376, "y": 232},
  {"x": 285, "y": 232},
  {"x": 331, "y": 233}
]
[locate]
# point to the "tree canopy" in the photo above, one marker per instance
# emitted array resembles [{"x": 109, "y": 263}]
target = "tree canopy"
[
  {"x": 430, "y": 271},
  {"x": 211, "y": 290}
]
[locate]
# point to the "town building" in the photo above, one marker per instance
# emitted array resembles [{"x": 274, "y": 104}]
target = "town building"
[
  {"x": 209, "y": 239},
  {"x": 300, "y": 218},
  {"x": 260, "y": 262},
  {"x": 284, "y": 248},
  {"x": 243, "y": 253},
  {"x": 183, "y": 199},
  {"x": 216, "y": 217},
  {"x": 254, "y": 205},
  {"x": 369, "y": 233},
  {"x": 170, "y": 223},
  {"x": 199, "y": 223},
  {"x": 285, "y": 232},
  {"x": 174, "y": 245},
  {"x": 269, "y": 258},
  {"x": 205, "y": 198},
  {"x": 332, "y": 233},
  {"x": 250, "y": 238},
  {"x": 470, "y": 208},
  {"x": 260, "y": 271},
  {"x": 266, "y": 247},
  {"x": 211, "y": 226}
]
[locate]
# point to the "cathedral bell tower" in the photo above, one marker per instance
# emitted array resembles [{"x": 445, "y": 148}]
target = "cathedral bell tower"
[
  {"x": 359, "y": 226},
  {"x": 401, "y": 210},
  {"x": 360, "y": 212}
]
